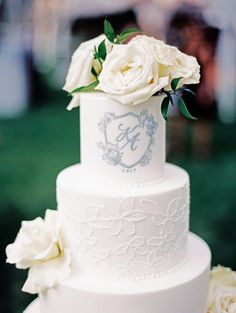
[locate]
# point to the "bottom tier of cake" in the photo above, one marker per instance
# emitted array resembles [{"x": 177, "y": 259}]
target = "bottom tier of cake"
[{"x": 181, "y": 291}]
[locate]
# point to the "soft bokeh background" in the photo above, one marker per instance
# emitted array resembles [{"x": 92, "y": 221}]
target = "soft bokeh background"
[{"x": 38, "y": 137}]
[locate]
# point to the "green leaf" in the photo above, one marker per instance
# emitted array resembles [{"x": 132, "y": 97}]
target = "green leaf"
[
  {"x": 95, "y": 52},
  {"x": 171, "y": 100},
  {"x": 102, "y": 51},
  {"x": 189, "y": 90},
  {"x": 164, "y": 107},
  {"x": 96, "y": 55},
  {"x": 174, "y": 83},
  {"x": 129, "y": 31},
  {"x": 109, "y": 31},
  {"x": 168, "y": 94},
  {"x": 184, "y": 110},
  {"x": 93, "y": 71},
  {"x": 126, "y": 34},
  {"x": 86, "y": 88}
]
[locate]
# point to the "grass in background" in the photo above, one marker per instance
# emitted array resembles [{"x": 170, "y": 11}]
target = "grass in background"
[
  {"x": 33, "y": 149},
  {"x": 36, "y": 147}
]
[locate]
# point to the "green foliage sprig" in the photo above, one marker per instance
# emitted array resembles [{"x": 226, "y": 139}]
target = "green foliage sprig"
[
  {"x": 100, "y": 52},
  {"x": 169, "y": 99},
  {"x": 123, "y": 36},
  {"x": 89, "y": 87}
]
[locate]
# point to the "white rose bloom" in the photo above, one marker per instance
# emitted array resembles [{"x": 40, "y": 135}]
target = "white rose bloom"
[
  {"x": 40, "y": 246},
  {"x": 225, "y": 301},
  {"x": 130, "y": 74},
  {"x": 158, "y": 48},
  {"x": 173, "y": 63},
  {"x": 150, "y": 42},
  {"x": 184, "y": 66},
  {"x": 79, "y": 73},
  {"x": 222, "y": 291}
]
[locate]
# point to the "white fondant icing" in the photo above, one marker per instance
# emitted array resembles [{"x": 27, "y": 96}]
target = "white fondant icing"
[
  {"x": 129, "y": 233},
  {"x": 182, "y": 291},
  {"x": 127, "y": 219},
  {"x": 121, "y": 144}
]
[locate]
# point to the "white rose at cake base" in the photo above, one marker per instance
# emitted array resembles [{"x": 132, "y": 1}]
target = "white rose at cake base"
[
  {"x": 39, "y": 246},
  {"x": 222, "y": 291}
]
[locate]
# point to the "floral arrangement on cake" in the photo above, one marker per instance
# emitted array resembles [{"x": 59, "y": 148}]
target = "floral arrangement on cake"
[
  {"x": 41, "y": 246},
  {"x": 131, "y": 72},
  {"x": 222, "y": 291}
]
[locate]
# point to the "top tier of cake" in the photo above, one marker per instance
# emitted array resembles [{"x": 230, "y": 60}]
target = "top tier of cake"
[{"x": 121, "y": 144}]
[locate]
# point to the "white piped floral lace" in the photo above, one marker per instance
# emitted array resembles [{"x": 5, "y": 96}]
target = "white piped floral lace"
[
  {"x": 118, "y": 216},
  {"x": 111, "y": 239}
]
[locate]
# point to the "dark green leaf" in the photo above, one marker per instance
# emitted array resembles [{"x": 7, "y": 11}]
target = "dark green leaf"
[
  {"x": 171, "y": 99},
  {"x": 189, "y": 90},
  {"x": 102, "y": 51},
  {"x": 86, "y": 88},
  {"x": 93, "y": 71},
  {"x": 126, "y": 33},
  {"x": 129, "y": 31},
  {"x": 95, "y": 52},
  {"x": 164, "y": 107},
  {"x": 169, "y": 95},
  {"x": 184, "y": 110},
  {"x": 174, "y": 83},
  {"x": 109, "y": 31},
  {"x": 97, "y": 56}
]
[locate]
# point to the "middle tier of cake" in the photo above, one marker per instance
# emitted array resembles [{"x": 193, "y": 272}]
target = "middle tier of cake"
[{"x": 125, "y": 234}]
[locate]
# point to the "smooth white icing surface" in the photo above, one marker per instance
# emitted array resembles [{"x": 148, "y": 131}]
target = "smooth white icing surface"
[
  {"x": 125, "y": 233},
  {"x": 182, "y": 291},
  {"x": 121, "y": 144}
]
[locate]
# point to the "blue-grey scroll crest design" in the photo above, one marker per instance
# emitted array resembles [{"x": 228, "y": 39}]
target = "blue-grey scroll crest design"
[{"x": 125, "y": 135}]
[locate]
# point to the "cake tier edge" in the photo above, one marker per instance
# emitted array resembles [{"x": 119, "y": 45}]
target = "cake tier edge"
[
  {"x": 184, "y": 290},
  {"x": 125, "y": 234}
]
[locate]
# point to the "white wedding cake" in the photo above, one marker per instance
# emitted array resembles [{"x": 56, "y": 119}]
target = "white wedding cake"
[
  {"x": 127, "y": 219},
  {"x": 120, "y": 240}
]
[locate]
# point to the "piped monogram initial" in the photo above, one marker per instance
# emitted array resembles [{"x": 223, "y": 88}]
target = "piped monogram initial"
[{"x": 128, "y": 138}]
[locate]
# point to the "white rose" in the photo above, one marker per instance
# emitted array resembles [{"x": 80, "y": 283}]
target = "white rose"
[
  {"x": 40, "y": 246},
  {"x": 184, "y": 66},
  {"x": 130, "y": 74},
  {"x": 173, "y": 63},
  {"x": 225, "y": 301},
  {"x": 152, "y": 43},
  {"x": 79, "y": 73},
  {"x": 222, "y": 291}
]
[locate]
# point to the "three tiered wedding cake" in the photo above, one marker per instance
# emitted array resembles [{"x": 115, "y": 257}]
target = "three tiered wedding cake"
[{"x": 120, "y": 240}]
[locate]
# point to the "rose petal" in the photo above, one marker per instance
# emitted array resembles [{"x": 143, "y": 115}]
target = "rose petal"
[{"x": 48, "y": 274}]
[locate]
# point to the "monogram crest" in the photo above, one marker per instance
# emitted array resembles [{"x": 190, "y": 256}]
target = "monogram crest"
[{"x": 128, "y": 138}]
